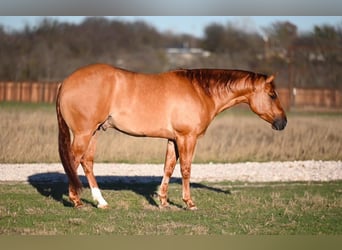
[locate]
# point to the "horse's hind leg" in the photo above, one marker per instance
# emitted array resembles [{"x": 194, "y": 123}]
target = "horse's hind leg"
[
  {"x": 169, "y": 166},
  {"x": 79, "y": 146},
  {"x": 87, "y": 162}
]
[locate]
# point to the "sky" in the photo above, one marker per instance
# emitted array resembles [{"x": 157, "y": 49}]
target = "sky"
[{"x": 193, "y": 25}]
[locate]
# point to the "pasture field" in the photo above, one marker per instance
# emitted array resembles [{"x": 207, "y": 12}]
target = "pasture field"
[
  {"x": 29, "y": 135},
  {"x": 225, "y": 208}
]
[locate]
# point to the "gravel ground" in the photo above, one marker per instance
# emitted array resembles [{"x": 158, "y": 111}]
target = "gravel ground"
[{"x": 247, "y": 172}]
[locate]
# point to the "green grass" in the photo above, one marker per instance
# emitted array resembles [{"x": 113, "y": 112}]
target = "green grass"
[
  {"x": 305, "y": 208},
  {"x": 27, "y": 106}
]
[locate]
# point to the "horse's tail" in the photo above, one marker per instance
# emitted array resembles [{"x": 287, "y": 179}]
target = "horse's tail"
[{"x": 64, "y": 148}]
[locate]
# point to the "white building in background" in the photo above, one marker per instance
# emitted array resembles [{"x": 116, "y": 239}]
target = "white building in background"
[{"x": 182, "y": 56}]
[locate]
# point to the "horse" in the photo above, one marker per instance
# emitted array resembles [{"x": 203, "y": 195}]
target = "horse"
[{"x": 177, "y": 105}]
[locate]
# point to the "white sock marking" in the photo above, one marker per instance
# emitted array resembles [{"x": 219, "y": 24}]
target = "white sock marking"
[{"x": 97, "y": 196}]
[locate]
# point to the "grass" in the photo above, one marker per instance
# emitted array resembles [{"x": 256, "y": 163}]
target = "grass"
[
  {"x": 224, "y": 209},
  {"x": 29, "y": 134}
]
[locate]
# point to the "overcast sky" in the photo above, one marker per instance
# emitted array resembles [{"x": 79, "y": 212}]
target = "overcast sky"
[{"x": 171, "y": 7}]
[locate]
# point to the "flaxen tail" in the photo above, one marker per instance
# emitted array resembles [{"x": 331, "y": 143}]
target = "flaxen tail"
[{"x": 64, "y": 148}]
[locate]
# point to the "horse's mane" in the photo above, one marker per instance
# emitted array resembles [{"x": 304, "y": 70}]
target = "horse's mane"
[{"x": 214, "y": 81}]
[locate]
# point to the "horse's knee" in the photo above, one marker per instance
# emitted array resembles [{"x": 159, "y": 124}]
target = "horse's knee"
[
  {"x": 186, "y": 172},
  {"x": 168, "y": 172}
]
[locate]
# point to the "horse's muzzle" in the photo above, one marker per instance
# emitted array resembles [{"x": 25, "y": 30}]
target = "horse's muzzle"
[{"x": 279, "y": 123}]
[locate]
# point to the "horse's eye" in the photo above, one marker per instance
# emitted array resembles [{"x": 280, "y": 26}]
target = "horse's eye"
[{"x": 273, "y": 95}]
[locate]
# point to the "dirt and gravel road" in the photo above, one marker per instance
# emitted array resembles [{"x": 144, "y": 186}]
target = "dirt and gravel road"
[{"x": 247, "y": 172}]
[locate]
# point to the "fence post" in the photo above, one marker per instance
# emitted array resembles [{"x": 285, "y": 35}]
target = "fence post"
[{"x": 2, "y": 91}]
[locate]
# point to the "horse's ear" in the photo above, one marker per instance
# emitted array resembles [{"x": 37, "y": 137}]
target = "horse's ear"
[{"x": 270, "y": 78}]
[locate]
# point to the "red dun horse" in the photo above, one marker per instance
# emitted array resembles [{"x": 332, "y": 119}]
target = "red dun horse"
[{"x": 177, "y": 105}]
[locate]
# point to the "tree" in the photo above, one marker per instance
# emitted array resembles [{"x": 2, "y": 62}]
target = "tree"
[
  {"x": 281, "y": 34},
  {"x": 214, "y": 38}
]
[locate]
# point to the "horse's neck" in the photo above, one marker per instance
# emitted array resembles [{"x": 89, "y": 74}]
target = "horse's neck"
[{"x": 223, "y": 102}]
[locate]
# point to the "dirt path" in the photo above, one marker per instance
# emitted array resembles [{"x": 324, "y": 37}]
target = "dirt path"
[{"x": 250, "y": 172}]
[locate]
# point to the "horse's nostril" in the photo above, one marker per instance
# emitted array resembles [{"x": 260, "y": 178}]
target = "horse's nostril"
[{"x": 279, "y": 123}]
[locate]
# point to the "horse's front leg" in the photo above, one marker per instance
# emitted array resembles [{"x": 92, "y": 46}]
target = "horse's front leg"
[
  {"x": 171, "y": 158},
  {"x": 186, "y": 147}
]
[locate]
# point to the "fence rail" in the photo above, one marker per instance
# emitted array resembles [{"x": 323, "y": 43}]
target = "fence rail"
[
  {"x": 46, "y": 92},
  {"x": 28, "y": 91}
]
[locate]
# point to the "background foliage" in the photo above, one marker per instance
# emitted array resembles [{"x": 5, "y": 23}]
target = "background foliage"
[{"x": 51, "y": 50}]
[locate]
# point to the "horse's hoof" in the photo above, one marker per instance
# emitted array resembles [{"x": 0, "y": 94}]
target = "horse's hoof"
[
  {"x": 189, "y": 205},
  {"x": 103, "y": 206},
  {"x": 193, "y": 208},
  {"x": 79, "y": 205},
  {"x": 164, "y": 206}
]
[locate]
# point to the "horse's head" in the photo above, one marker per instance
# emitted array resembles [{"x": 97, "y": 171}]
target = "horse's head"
[{"x": 264, "y": 102}]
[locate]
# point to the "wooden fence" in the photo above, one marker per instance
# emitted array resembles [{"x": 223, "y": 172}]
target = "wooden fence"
[
  {"x": 28, "y": 91},
  {"x": 46, "y": 92},
  {"x": 317, "y": 98},
  {"x": 310, "y": 98}
]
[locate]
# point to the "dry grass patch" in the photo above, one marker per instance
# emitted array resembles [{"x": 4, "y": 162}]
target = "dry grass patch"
[{"x": 29, "y": 134}]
